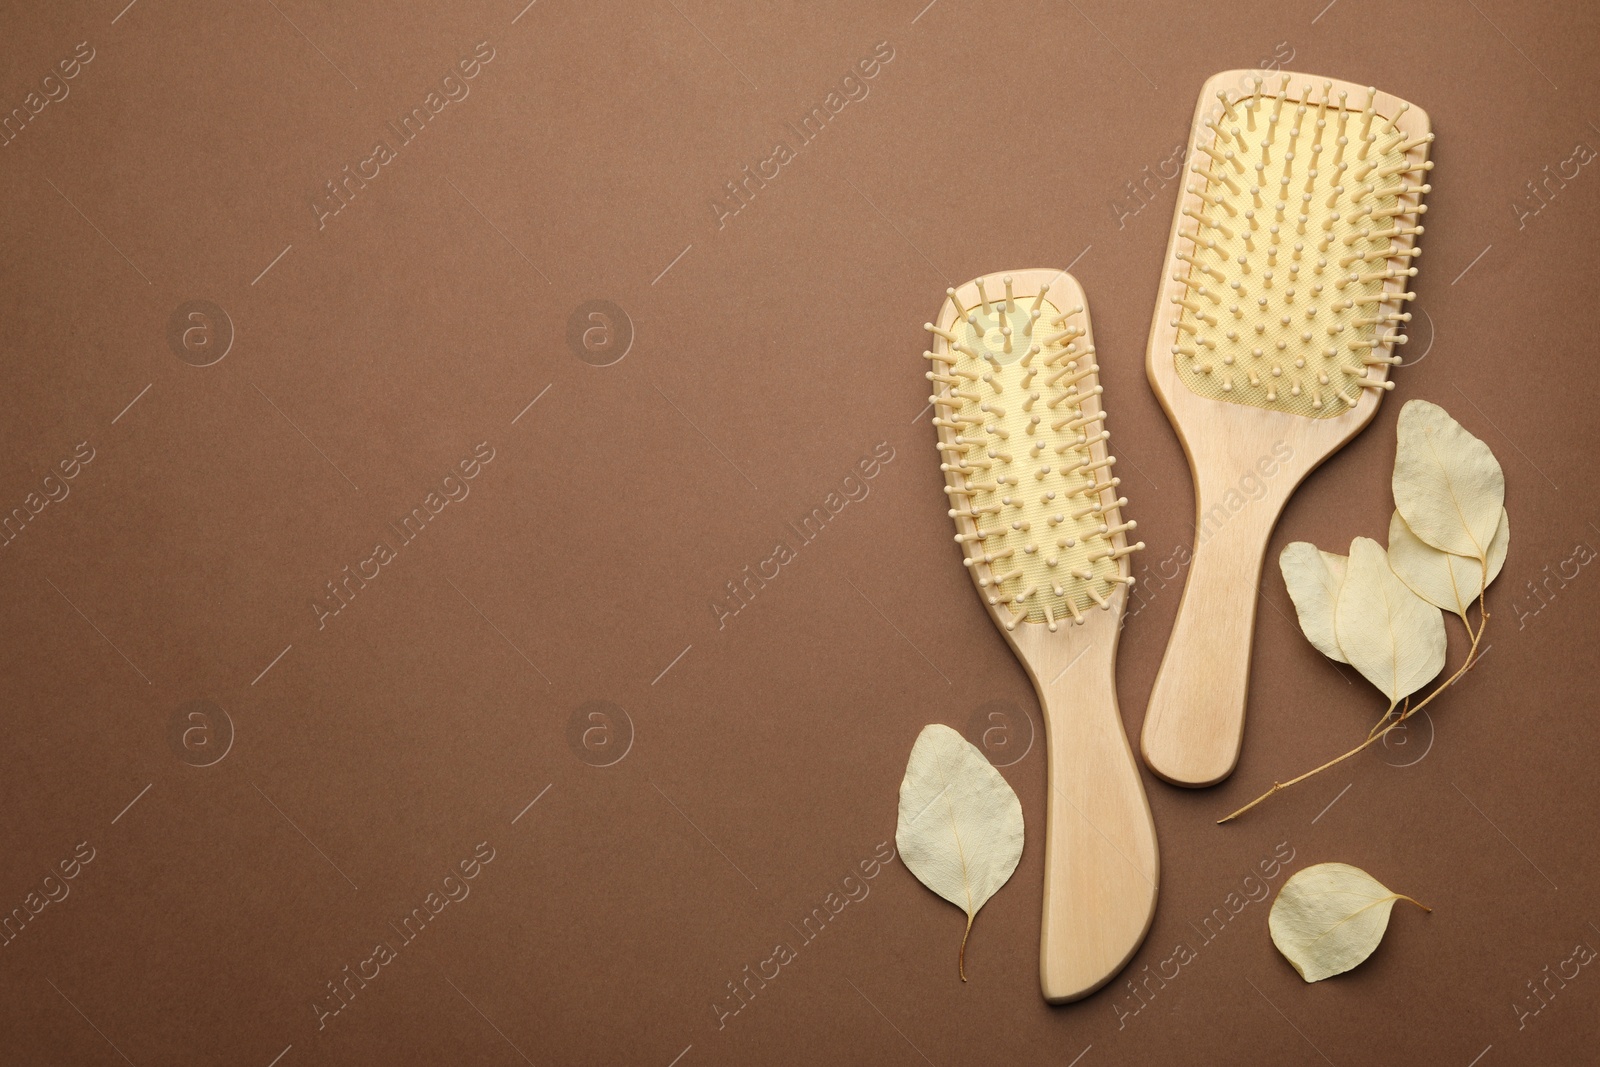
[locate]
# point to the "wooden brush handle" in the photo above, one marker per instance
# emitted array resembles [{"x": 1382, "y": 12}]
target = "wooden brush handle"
[
  {"x": 1195, "y": 720},
  {"x": 1100, "y": 860}
]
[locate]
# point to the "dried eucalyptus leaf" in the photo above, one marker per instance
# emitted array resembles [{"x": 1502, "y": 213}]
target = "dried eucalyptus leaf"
[
  {"x": 1313, "y": 578},
  {"x": 1447, "y": 484},
  {"x": 1388, "y": 633},
  {"x": 960, "y": 828},
  {"x": 1330, "y": 917},
  {"x": 1444, "y": 579}
]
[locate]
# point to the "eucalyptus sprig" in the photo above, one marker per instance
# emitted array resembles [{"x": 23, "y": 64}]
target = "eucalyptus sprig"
[{"x": 1382, "y": 611}]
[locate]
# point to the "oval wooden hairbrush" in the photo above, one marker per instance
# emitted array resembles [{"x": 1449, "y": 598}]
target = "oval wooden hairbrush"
[
  {"x": 1028, "y": 476},
  {"x": 1274, "y": 330}
]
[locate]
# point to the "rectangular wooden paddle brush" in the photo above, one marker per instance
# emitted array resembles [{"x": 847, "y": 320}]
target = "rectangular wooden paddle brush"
[{"x": 1275, "y": 327}]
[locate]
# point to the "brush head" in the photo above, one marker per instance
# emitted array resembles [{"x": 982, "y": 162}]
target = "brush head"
[
  {"x": 1296, "y": 236},
  {"x": 1017, "y": 404}
]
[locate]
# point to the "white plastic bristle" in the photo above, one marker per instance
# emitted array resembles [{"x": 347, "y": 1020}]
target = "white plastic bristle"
[
  {"x": 1011, "y": 303},
  {"x": 984, "y": 297}
]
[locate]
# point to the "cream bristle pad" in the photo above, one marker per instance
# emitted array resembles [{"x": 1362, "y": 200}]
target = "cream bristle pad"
[
  {"x": 1300, "y": 226},
  {"x": 1023, "y": 447}
]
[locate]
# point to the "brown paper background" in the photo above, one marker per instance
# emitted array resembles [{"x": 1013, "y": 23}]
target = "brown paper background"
[{"x": 776, "y": 351}]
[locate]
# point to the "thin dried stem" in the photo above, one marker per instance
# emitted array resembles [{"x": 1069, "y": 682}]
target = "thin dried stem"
[
  {"x": 961, "y": 957},
  {"x": 1385, "y": 717}
]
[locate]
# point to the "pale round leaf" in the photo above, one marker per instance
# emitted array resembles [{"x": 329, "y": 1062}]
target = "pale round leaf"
[
  {"x": 1330, "y": 917},
  {"x": 1313, "y": 578},
  {"x": 1444, "y": 579},
  {"x": 960, "y": 827},
  {"x": 1447, "y": 484},
  {"x": 1388, "y": 633}
]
